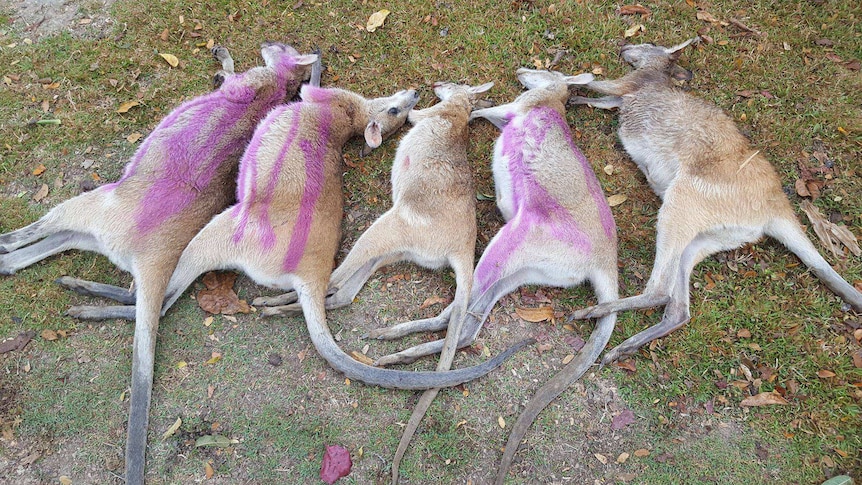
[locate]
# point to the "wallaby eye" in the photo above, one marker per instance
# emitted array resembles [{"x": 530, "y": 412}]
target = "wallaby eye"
[{"x": 394, "y": 111}]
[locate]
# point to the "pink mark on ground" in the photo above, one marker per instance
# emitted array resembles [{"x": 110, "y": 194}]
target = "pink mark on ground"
[
  {"x": 315, "y": 154},
  {"x": 535, "y": 208}
]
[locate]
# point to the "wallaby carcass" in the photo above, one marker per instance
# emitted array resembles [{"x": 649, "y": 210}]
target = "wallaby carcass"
[
  {"x": 285, "y": 228},
  {"x": 432, "y": 222},
  {"x": 182, "y": 174},
  {"x": 559, "y": 231},
  {"x": 717, "y": 192}
]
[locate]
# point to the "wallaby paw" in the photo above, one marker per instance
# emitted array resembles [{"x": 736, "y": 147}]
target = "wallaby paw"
[{"x": 283, "y": 310}]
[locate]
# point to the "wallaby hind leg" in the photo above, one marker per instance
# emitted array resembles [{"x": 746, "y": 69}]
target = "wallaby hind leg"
[
  {"x": 99, "y": 290},
  {"x": 24, "y": 236},
  {"x": 378, "y": 246},
  {"x": 788, "y": 232},
  {"x": 51, "y": 245}
]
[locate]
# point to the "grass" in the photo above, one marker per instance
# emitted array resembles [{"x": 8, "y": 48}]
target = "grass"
[{"x": 66, "y": 400}]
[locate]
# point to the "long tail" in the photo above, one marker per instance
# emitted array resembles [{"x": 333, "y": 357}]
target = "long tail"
[
  {"x": 788, "y": 232},
  {"x": 606, "y": 291},
  {"x": 315, "y": 319},
  {"x": 151, "y": 290}
]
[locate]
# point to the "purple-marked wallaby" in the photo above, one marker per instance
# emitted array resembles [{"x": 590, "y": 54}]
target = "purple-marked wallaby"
[
  {"x": 181, "y": 175},
  {"x": 430, "y": 172},
  {"x": 717, "y": 192},
  {"x": 285, "y": 228},
  {"x": 559, "y": 230}
]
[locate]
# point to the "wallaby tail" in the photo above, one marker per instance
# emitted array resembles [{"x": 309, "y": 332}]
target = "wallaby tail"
[
  {"x": 605, "y": 288},
  {"x": 790, "y": 234},
  {"x": 150, "y": 292},
  {"x": 312, "y": 301}
]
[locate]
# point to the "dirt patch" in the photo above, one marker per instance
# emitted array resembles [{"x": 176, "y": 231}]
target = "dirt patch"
[{"x": 80, "y": 18}]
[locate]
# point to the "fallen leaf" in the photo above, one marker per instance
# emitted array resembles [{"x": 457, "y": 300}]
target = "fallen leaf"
[
  {"x": 359, "y": 356},
  {"x": 825, "y": 374},
  {"x": 641, "y": 452},
  {"x": 623, "y": 457},
  {"x": 634, "y": 29},
  {"x": 628, "y": 365},
  {"x": 433, "y": 300},
  {"x": 49, "y": 334},
  {"x": 219, "y": 297},
  {"x": 17, "y": 343},
  {"x": 216, "y": 356},
  {"x": 576, "y": 342},
  {"x": 65, "y": 480},
  {"x": 208, "y": 321},
  {"x": 336, "y": 463},
  {"x": 171, "y": 59},
  {"x": 173, "y": 429},
  {"x": 210, "y": 391},
  {"x": 839, "y": 480},
  {"x": 602, "y": 458},
  {"x": 829, "y": 233},
  {"x": 616, "y": 199},
  {"x": 763, "y": 399},
  {"x": 634, "y": 10},
  {"x": 41, "y": 193},
  {"x": 539, "y": 314},
  {"x": 744, "y": 333},
  {"x": 208, "y": 470},
  {"x": 215, "y": 440},
  {"x": 125, "y": 107},
  {"x": 181, "y": 364},
  {"x": 39, "y": 170},
  {"x": 134, "y": 137},
  {"x": 622, "y": 420},
  {"x": 501, "y": 422},
  {"x": 164, "y": 35},
  {"x": 609, "y": 169},
  {"x": 706, "y": 16},
  {"x": 568, "y": 358},
  {"x": 376, "y": 20},
  {"x": 857, "y": 359}
]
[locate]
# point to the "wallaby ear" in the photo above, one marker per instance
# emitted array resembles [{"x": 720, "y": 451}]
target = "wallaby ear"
[
  {"x": 680, "y": 73},
  {"x": 480, "y": 89},
  {"x": 677, "y": 48},
  {"x": 306, "y": 59},
  {"x": 584, "y": 78},
  {"x": 373, "y": 136}
]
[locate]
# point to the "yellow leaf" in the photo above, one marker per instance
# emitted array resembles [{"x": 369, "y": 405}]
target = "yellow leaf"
[
  {"x": 376, "y": 20},
  {"x": 181, "y": 364},
  {"x": 616, "y": 199},
  {"x": 634, "y": 29},
  {"x": 172, "y": 59},
  {"x": 39, "y": 170},
  {"x": 216, "y": 356},
  {"x": 134, "y": 137},
  {"x": 539, "y": 314},
  {"x": 208, "y": 321},
  {"x": 501, "y": 422},
  {"x": 361, "y": 358},
  {"x": 609, "y": 169},
  {"x": 568, "y": 358},
  {"x": 125, "y": 107},
  {"x": 173, "y": 429}
]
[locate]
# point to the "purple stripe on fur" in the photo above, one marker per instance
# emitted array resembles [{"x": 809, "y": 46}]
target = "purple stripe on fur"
[
  {"x": 314, "y": 180},
  {"x": 267, "y": 236},
  {"x": 535, "y": 208}
]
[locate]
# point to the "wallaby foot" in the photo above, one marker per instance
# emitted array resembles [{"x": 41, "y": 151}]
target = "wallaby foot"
[
  {"x": 101, "y": 290},
  {"x": 96, "y": 313}
]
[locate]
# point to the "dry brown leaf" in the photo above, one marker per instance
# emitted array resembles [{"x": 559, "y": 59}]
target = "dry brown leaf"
[
  {"x": 210, "y": 391},
  {"x": 171, "y": 59},
  {"x": 825, "y": 374},
  {"x": 433, "y": 300},
  {"x": 17, "y": 343},
  {"x": 41, "y": 193},
  {"x": 706, "y": 16},
  {"x": 539, "y": 314},
  {"x": 641, "y": 452},
  {"x": 634, "y": 10},
  {"x": 49, "y": 334},
  {"x": 744, "y": 333},
  {"x": 164, "y": 35},
  {"x": 208, "y": 470},
  {"x": 219, "y": 297},
  {"x": 623, "y": 457},
  {"x": 634, "y": 29},
  {"x": 609, "y": 169},
  {"x": 568, "y": 358},
  {"x": 501, "y": 422},
  {"x": 134, "y": 137},
  {"x": 763, "y": 399},
  {"x": 830, "y": 234},
  {"x": 125, "y": 107},
  {"x": 376, "y": 20},
  {"x": 602, "y": 458},
  {"x": 857, "y": 359},
  {"x": 39, "y": 170}
]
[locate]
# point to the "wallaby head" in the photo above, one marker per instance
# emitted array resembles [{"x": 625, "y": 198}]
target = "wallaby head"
[
  {"x": 385, "y": 115},
  {"x": 445, "y": 90},
  {"x": 651, "y": 56},
  {"x": 284, "y": 58}
]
